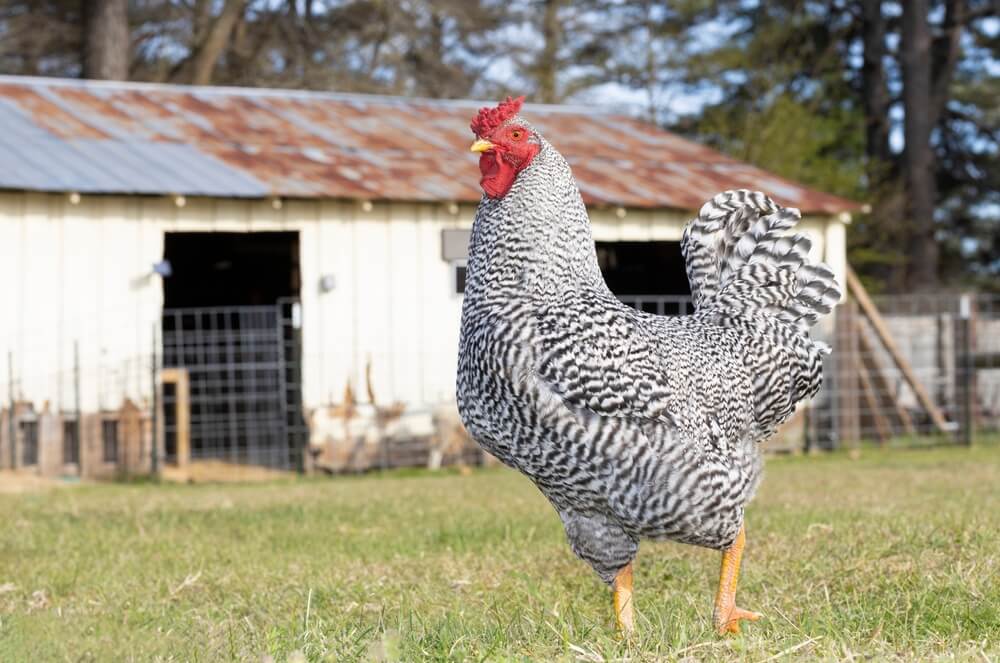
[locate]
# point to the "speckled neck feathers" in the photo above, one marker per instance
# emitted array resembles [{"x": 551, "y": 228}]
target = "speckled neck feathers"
[{"x": 536, "y": 239}]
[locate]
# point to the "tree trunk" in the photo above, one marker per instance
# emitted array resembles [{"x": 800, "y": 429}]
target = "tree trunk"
[
  {"x": 105, "y": 39},
  {"x": 548, "y": 59},
  {"x": 888, "y": 209},
  {"x": 918, "y": 154},
  {"x": 303, "y": 47},
  {"x": 876, "y": 95},
  {"x": 208, "y": 52}
]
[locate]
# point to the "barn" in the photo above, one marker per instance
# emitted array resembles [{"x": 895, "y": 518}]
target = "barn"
[{"x": 238, "y": 275}]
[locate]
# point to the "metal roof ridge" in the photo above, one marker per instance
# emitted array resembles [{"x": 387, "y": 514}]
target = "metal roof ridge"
[{"x": 332, "y": 95}]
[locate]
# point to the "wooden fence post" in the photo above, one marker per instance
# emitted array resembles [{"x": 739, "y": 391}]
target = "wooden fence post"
[
  {"x": 965, "y": 370},
  {"x": 847, "y": 369},
  {"x": 179, "y": 378}
]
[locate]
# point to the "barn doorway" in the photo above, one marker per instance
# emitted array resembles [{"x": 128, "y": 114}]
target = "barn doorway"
[
  {"x": 231, "y": 320},
  {"x": 230, "y": 269},
  {"x": 648, "y": 275}
]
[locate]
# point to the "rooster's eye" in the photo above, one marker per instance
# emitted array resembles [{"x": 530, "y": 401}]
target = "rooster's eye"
[{"x": 517, "y": 134}]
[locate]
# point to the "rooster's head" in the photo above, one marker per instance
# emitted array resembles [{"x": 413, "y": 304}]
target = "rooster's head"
[{"x": 506, "y": 145}]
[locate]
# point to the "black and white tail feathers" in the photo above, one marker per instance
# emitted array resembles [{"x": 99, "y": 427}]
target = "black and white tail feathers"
[
  {"x": 745, "y": 270},
  {"x": 741, "y": 262}
]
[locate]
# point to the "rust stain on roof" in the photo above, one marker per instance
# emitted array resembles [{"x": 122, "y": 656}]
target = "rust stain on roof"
[
  {"x": 47, "y": 114},
  {"x": 325, "y": 145}
]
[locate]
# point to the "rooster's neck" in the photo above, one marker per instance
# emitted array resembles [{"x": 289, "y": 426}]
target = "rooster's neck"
[{"x": 536, "y": 240}]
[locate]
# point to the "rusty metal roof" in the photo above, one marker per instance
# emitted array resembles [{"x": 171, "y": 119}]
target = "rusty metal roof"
[{"x": 135, "y": 138}]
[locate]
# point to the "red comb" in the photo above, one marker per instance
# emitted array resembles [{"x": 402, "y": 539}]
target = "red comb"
[{"x": 489, "y": 119}]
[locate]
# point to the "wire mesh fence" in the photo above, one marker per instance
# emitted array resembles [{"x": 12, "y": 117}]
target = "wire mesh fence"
[
  {"x": 660, "y": 304},
  {"x": 241, "y": 391},
  {"x": 913, "y": 369},
  {"x": 220, "y": 384},
  {"x": 906, "y": 370},
  {"x": 224, "y": 385}
]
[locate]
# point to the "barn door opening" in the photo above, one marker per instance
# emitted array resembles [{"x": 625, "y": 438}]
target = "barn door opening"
[
  {"x": 647, "y": 275},
  {"x": 231, "y": 324}
]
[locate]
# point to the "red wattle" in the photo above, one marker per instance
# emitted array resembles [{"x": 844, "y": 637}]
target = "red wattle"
[
  {"x": 488, "y": 164},
  {"x": 498, "y": 175}
]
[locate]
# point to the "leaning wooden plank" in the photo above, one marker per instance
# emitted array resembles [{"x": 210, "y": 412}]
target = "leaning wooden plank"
[
  {"x": 878, "y": 324},
  {"x": 881, "y": 383}
]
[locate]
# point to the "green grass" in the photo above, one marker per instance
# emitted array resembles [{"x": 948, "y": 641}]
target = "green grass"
[{"x": 893, "y": 556}]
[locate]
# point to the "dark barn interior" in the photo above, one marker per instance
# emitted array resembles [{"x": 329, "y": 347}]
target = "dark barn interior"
[
  {"x": 230, "y": 269},
  {"x": 231, "y": 320},
  {"x": 648, "y": 275}
]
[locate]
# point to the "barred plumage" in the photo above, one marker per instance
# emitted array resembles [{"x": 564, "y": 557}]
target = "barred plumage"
[{"x": 635, "y": 425}]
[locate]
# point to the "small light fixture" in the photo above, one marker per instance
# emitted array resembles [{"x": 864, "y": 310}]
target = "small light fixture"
[
  {"x": 366, "y": 205},
  {"x": 180, "y": 201},
  {"x": 74, "y": 198},
  {"x": 276, "y": 203},
  {"x": 621, "y": 212},
  {"x": 163, "y": 268},
  {"x": 452, "y": 208},
  {"x": 327, "y": 283}
]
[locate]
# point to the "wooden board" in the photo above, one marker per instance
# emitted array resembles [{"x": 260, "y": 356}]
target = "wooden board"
[
  {"x": 882, "y": 428},
  {"x": 878, "y": 324},
  {"x": 179, "y": 378},
  {"x": 880, "y": 382}
]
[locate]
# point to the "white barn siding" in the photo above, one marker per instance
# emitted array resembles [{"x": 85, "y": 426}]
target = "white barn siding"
[
  {"x": 393, "y": 304},
  {"x": 82, "y": 273}
]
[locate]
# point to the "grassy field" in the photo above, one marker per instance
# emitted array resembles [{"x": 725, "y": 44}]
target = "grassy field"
[{"x": 895, "y": 555}]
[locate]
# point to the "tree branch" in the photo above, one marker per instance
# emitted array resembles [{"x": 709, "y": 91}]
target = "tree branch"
[{"x": 211, "y": 48}]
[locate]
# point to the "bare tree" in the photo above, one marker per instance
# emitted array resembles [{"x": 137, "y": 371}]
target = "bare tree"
[
  {"x": 206, "y": 53},
  {"x": 105, "y": 39}
]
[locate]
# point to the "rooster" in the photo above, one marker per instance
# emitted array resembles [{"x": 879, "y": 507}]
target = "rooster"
[{"x": 632, "y": 425}]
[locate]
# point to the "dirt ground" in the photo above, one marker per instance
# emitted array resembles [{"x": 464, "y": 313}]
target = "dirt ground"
[{"x": 16, "y": 482}]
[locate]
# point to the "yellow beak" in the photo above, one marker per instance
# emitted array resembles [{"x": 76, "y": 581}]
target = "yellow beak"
[{"x": 481, "y": 146}]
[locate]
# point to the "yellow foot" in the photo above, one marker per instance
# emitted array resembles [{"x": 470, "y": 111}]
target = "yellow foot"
[
  {"x": 728, "y": 621},
  {"x": 623, "y": 602},
  {"x": 727, "y": 616}
]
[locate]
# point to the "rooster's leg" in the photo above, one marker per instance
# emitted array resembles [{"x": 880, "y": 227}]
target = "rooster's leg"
[
  {"x": 727, "y": 616},
  {"x": 623, "y": 600}
]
